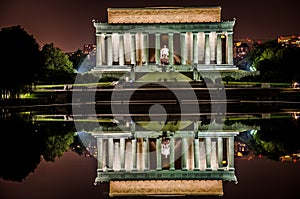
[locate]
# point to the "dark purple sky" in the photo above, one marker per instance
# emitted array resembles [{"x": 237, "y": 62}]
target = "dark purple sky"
[
  {"x": 72, "y": 177},
  {"x": 68, "y": 23}
]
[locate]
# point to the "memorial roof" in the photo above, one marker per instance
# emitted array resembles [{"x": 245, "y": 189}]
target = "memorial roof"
[{"x": 164, "y": 15}]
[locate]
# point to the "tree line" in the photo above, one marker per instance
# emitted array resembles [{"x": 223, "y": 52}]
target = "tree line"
[
  {"x": 274, "y": 61},
  {"x": 24, "y": 63}
]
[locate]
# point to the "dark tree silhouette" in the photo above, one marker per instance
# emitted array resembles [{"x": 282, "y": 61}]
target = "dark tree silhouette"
[{"x": 20, "y": 60}]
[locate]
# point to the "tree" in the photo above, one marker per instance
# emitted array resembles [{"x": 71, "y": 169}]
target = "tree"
[
  {"x": 56, "y": 59},
  {"x": 57, "y": 66},
  {"x": 20, "y": 60},
  {"x": 275, "y": 62}
]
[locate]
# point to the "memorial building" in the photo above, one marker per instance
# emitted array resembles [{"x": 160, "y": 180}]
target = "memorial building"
[
  {"x": 196, "y": 37},
  {"x": 136, "y": 160}
]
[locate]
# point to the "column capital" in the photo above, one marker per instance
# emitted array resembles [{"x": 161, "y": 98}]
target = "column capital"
[{"x": 229, "y": 32}]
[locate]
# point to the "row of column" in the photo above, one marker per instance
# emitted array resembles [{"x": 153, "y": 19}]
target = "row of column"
[
  {"x": 110, "y": 149},
  {"x": 114, "y": 48}
]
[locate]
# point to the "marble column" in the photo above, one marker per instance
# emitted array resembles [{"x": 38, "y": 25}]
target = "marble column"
[
  {"x": 158, "y": 154},
  {"x": 122, "y": 154},
  {"x": 201, "y": 43},
  {"x": 220, "y": 153},
  {"x": 195, "y": 48},
  {"x": 207, "y": 49},
  {"x": 133, "y": 49},
  {"x": 183, "y": 52},
  {"x": 230, "y": 48},
  {"x": 121, "y": 49},
  {"x": 157, "y": 48},
  {"x": 219, "y": 48},
  {"x": 213, "y": 46},
  {"x": 208, "y": 153},
  {"x": 109, "y": 49},
  {"x": 139, "y": 49},
  {"x": 100, "y": 153},
  {"x": 146, "y": 48},
  {"x": 171, "y": 48},
  {"x": 99, "y": 44}
]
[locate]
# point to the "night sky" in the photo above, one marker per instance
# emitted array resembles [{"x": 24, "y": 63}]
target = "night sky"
[{"x": 68, "y": 23}]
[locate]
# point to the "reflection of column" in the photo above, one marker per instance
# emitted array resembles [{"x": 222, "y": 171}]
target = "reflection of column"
[
  {"x": 133, "y": 49},
  {"x": 121, "y": 49},
  {"x": 196, "y": 154},
  {"x": 183, "y": 48},
  {"x": 171, "y": 49},
  {"x": 229, "y": 48},
  {"x": 158, "y": 154},
  {"x": 109, "y": 49},
  {"x": 134, "y": 155},
  {"x": 110, "y": 154},
  {"x": 146, "y": 153},
  {"x": 230, "y": 153},
  {"x": 208, "y": 153},
  {"x": 122, "y": 153},
  {"x": 184, "y": 154},
  {"x": 172, "y": 153},
  {"x": 195, "y": 48},
  {"x": 146, "y": 47},
  {"x": 220, "y": 153},
  {"x": 207, "y": 49},
  {"x": 100, "y": 153},
  {"x": 219, "y": 49},
  {"x": 157, "y": 48},
  {"x": 99, "y": 50}
]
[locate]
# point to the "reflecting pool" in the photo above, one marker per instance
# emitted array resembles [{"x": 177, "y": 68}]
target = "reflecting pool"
[{"x": 54, "y": 154}]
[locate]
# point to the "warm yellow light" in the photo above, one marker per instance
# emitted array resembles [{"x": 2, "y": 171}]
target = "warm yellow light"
[{"x": 238, "y": 44}]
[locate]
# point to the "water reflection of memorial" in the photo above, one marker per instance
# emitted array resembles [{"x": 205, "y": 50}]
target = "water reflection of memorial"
[{"x": 170, "y": 158}]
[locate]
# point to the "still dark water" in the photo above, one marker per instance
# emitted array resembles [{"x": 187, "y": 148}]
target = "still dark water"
[{"x": 41, "y": 157}]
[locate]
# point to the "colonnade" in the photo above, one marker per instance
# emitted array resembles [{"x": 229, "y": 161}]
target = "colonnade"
[
  {"x": 130, "y": 155},
  {"x": 195, "y": 48}
]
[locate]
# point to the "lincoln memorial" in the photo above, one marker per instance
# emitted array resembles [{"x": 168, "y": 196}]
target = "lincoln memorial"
[{"x": 195, "y": 37}]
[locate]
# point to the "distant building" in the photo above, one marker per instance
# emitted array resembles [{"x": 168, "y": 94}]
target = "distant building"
[
  {"x": 289, "y": 41},
  {"x": 242, "y": 47},
  {"x": 89, "y": 48}
]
